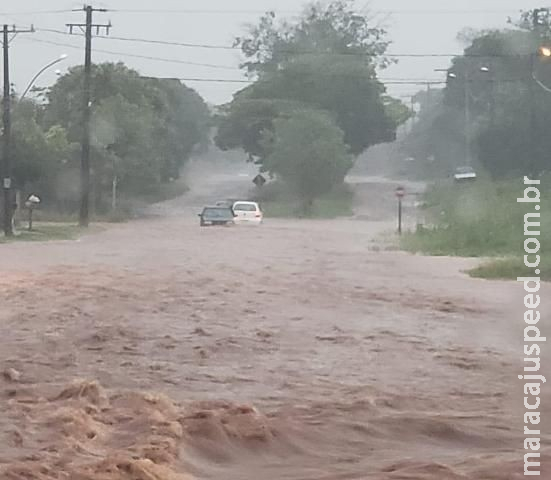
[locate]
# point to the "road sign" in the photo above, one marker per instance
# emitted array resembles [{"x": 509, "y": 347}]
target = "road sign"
[
  {"x": 259, "y": 180},
  {"x": 400, "y": 194}
]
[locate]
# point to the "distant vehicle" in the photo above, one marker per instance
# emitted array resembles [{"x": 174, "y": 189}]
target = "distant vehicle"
[
  {"x": 248, "y": 212},
  {"x": 225, "y": 203},
  {"x": 218, "y": 215},
  {"x": 464, "y": 174}
]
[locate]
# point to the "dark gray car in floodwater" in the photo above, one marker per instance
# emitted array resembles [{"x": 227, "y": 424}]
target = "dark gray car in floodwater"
[{"x": 219, "y": 215}]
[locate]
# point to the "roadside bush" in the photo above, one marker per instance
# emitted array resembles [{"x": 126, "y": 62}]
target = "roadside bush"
[
  {"x": 278, "y": 200},
  {"x": 478, "y": 219}
]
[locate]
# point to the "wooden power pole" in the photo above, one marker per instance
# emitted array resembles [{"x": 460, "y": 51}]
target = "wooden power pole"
[
  {"x": 87, "y": 28},
  {"x": 6, "y": 171}
]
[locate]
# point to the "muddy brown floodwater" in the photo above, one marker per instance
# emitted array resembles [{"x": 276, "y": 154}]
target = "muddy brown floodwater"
[{"x": 157, "y": 350}]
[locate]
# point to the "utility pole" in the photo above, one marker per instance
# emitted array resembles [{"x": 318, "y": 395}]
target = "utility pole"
[
  {"x": 413, "y": 114},
  {"x": 429, "y": 95},
  {"x": 411, "y": 122},
  {"x": 6, "y": 171},
  {"x": 84, "y": 214}
]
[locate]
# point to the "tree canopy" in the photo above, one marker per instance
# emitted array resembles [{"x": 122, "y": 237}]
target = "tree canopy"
[
  {"x": 143, "y": 131},
  {"x": 508, "y": 89},
  {"x": 308, "y": 152},
  {"x": 327, "y": 60}
]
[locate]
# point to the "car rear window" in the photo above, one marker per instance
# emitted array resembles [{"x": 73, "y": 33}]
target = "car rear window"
[
  {"x": 245, "y": 207},
  {"x": 217, "y": 213}
]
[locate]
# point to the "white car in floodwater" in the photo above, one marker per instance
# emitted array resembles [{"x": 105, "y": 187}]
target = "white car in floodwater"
[{"x": 247, "y": 213}]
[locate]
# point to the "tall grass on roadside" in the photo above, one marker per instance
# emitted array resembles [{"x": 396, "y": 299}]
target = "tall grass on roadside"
[
  {"x": 481, "y": 219},
  {"x": 45, "y": 232},
  {"x": 510, "y": 268}
]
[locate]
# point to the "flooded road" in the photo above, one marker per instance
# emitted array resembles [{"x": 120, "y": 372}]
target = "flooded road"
[{"x": 157, "y": 350}]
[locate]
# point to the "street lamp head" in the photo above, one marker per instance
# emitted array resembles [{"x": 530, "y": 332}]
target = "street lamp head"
[
  {"x": 452, "y": 75},
  {"x": 41, "y": 71},
  {"x": 484, "y": 69},
  {"x": 58, "y": 72},
  {"x": 545, "y": 51}
]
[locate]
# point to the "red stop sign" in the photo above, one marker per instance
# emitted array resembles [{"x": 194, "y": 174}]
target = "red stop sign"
[{"x": 400, "y": 192}]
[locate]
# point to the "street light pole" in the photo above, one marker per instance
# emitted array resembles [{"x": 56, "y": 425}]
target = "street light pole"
[
  {"x": 468, "y": 152},
  {"x": 468, "y": 115},
  {"x": 467, "y": 90},
  {"x": 40, "y": 72},
  {"x": 533, "y": 119}
]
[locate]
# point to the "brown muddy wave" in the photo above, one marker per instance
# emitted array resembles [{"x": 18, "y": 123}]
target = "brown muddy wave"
[{"x": 83, "y": 432}]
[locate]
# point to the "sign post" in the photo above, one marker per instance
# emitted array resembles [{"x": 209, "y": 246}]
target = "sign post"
[
  {"x": 400, "y": 194},
  {"x": 259, "y": 181},
  {"x": 32, "y": 203}
]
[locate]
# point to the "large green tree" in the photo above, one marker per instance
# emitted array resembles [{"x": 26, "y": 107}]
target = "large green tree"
[
  {"x": 333, "y": 27},
  {"x": 327, "y": 60},
  {"x": 144, "y": 129},
  {"x": 508, "y": 89},
  {"x": 38, "y": 154},
  {"x": 308, "y": 152}
]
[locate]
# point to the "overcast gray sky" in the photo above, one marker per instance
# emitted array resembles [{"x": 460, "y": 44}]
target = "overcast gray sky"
[{"x": 420, "y": 27}]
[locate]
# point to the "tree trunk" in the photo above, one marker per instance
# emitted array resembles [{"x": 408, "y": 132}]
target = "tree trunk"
[{"x": 307, "y": 206}]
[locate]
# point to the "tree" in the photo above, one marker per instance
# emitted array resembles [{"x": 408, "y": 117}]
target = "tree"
[
  {"x": 64, "y": 99},
  {"x": 37, "y": 154},
  {"x": 436, "y": 141},
  {"x": 508, "y": 87},
  {"x": 183, "y": 125},
  {"x": 308, "y": 152},
  {"x": 327, "y": 60},
  {"x": 144, "y": 129},
  {"x": 333, "y": 27},
  {"x": 396, "y": 110},
  {"x": 123, "y": 147},
  {"x": 246, "y": 122},
  {"x": 509, "y": 109}
]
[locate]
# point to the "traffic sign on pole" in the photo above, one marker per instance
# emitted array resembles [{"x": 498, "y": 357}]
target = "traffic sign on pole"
[{"x": 400, "y": 194}]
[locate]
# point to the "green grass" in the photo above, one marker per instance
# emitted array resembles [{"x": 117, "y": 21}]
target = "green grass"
[
  {"x": 508, "y": 269},
  {"x": 126, "y": 209},
  {"x": 45, "y": 232},
  {"x": 482, "y": 219},
  {"x": 277, "y": 203}
]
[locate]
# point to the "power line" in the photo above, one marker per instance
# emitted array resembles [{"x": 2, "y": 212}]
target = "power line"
[
  {"x": 136, "y": 55},
  {"x": 188, "y": 11},
  {"x": 155, "y": 42},
  {"x": 404, "y": 81},
  {"x": 250, "y": 82},
  {"x": 297, "y": 12},
  {"x": 384, "y": 80},
  {"x": 204, "y": 12},
  {"x": 237, "y": 48},
  {"x": 36, "y": 12}
]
